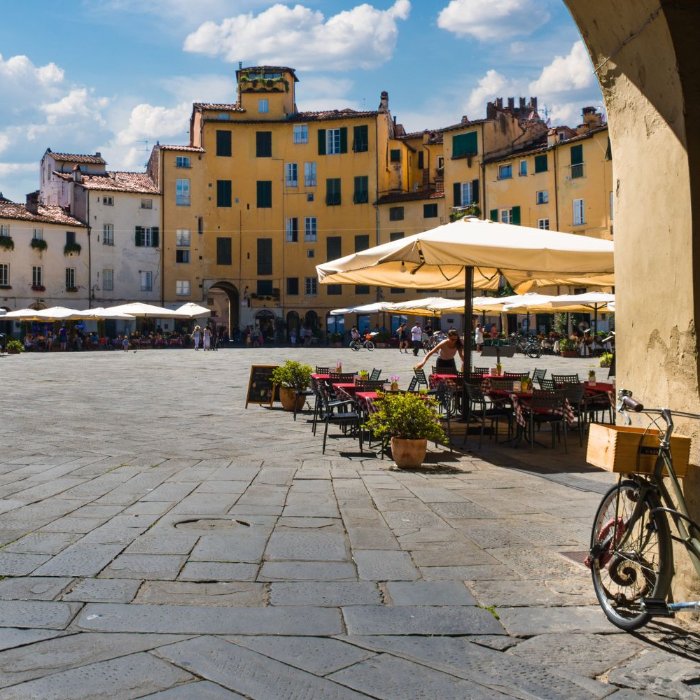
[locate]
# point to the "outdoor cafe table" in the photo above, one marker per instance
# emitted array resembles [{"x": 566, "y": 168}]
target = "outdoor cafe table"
[
  {"x": 347, "y": 387},
  {"x": 367, "y": 399},
  {"x": 518, "y": 398}
]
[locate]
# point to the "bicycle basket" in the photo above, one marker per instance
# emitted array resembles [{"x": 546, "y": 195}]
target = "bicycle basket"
[{"x": 629, "y": 450}]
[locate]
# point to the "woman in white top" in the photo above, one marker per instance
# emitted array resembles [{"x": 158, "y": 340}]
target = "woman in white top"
[
  {"x": 206, "y": 335},
  {"x": 446, "y": 351},
  {"x": 478, "y": 336},
  {"x": 196, "y": 335}
]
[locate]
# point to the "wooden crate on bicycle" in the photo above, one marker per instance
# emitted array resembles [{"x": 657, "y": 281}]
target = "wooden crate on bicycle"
[{"x": 627, "y": 450}]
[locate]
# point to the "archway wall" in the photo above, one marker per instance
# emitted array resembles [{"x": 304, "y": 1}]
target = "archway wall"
[{"x": 645, "y": 55}]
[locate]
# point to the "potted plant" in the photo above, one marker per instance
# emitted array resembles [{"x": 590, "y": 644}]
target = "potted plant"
[
  {"x": 293, "y": 378},
  {"x": 567, "y": 348},
  {"x": 14, "y": 347},
  {"x": 410, "y": 420},
  {"x": 38, "y": 244}
]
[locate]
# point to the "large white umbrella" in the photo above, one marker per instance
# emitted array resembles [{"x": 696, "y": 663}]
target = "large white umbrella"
[
  {"x": 374, "y": 308},
  {"x": 139, "y": 309},
  {"x": 576, "y": 303},
  {"x": 99, "y": 313},
  {"x": 22, "y": 315},
  {"x": 58, "y": 313},
  {"x": 192, "y": 310}
]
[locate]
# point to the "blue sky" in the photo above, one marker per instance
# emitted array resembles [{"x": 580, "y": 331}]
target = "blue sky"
[{"x": 116, "y": 76}]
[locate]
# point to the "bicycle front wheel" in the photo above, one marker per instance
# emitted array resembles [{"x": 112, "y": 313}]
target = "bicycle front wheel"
[
  {"x": 534, "y": 352},
  {"x": 631, "y": 554},
  {"x": 369, "y": 345},
  {"x": 354, "y": 345}
]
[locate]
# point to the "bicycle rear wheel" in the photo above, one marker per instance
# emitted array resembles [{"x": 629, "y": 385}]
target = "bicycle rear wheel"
[
  {"x": 354, "y": 345},
  {"x": 369, "y": 345},
  {"x": 631, "y": 559}
]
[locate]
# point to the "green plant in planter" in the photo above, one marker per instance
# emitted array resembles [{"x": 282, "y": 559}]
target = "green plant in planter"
[
  {"x": 7, "y": 243},
  {"x": 72, "y": 248},
  {"x": 39, "y": 244},
  {"x": 566, "y": 345},
  {"x": 606, "y": 359},
  {"x": 14, "y": 346},
  {"x": 293, "y": 375},
  {"x": 407, "y": 416}
]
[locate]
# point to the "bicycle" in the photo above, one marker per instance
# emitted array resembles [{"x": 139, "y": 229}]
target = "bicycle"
[
  {"x": 359, "y": 343},
  {"x": 631, "y": 555},
  {"x": 528, "y": 346}
]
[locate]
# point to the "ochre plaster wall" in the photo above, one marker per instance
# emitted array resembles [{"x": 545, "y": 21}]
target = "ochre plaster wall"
[{"x": 646, "y": 59}]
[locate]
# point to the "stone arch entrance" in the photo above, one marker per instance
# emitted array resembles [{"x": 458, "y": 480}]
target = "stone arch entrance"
[
  {"x": 223, "y": 299},
  {"x": 293, "y": 327},
  {"x": 646, "y": 59}
]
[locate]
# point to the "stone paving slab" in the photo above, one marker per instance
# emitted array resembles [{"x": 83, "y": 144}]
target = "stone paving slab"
[
  {"x": 201, "y": 690},
  {"x": 37, "y": 614}
]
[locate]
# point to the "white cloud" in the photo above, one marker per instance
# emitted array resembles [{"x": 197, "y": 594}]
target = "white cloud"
[
  {"x": 22, "y": 83},
  {"x": 565, "y": 73},
  {"x": 202, "y": 88},
  {"x": 492, "y": 19},
  {"x": 492, "y": 85},
  {"x": 362, "y": 37}
]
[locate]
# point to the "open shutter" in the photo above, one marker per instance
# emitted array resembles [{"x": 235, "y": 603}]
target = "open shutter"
[
  {"x": 155, "y": 236},
  {"x": 515, "y": 216},
  {"x": 139, "y": 236},
  {"x": 343, "y": 139},
  {"x": 322, "y": 142},
  {"x": 475, "y": 191},
  {"x": 457, "y": 190},
  {"x": 493, "y": 215}
]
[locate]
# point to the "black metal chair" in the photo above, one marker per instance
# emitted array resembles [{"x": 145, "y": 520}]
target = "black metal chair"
[
  {"x": 575, "y": 396},
  {"x": 375, "y": 374},
  {"x": 369, "y": 384},
  {"x": 480, "y": 370},
  {"x": 343, "y": 413},
  {"x": 545, "y": 408},
  {"x": 481, "y": 409},
  {"x": 538, "y": 375},
  {"x": 445, "y": 395},
  {"x": 322, "y": 370},
  {"x": 412, "y": 384},
  {"x": 562, "y": 379},
  {"x": 517, "y": 376},
  {"x": 341, "y": 377},
  {"x": 547, "y": 385},
  {"x": 423, "y": 380}
]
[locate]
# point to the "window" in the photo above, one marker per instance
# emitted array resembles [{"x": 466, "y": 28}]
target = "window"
[
  {"x": 147, "y": 237},
  {"x": 301, "y": 133},
  {"x": 4, "y": 229},
  {"x": 146, "y": 204},
  {"x": 310, "y": 229},
  {"x": 505, "y": 171},
  {"x": 310, "y": 286},
  {"x": 505, "y": 216},
  {"x": 440, "y": 163},
  {"x": 264, "y": 256},
  {"x": 292, "y": 230},
  {"x": 263, "y": 288},
  {"x": 70, "y": 237},
  {"x": 577, "y": 161},
  {"x": 108, "y": 201},
  {"x": 395, "y": 213},
  {"x": 310, "y": 174},
  {"x": 146, "y": 277},
  {"x": 361, "y": 242},
  {"x": 361, "y": 289},
  {"x": 466, "y": 193},
  {"x": 182, "y": 192},
  {"x": 182, "y": 161},
  {"x": 333, "y": 191},
  {"x": 334, "y": 289},
  {"x": 293, "y": 286},
  {"x": 310, "y": 253},
  {"x": 543, "y": 224},
  {"x": 333, "y": 247},
  {"x": 542, "y": 197},
  {"x": 263, "y": 105},
  {"x": 224, "y": 194},
  {"x": 421, "y": 160},
  {"x": 263, "y": 144},
  {"x": 200, "y": 225},
  {"x": 37, "y": 277},
  {"x": 430, "y": 211},
  {"x": 541, "y": 163},
  {"x": 332, "y": 141},
  {"x": 223, "y": 142},
  {"x": 522, "y": 168},
  {"x": 360, "y": 139},
  {"x": 611, "y": 206},
  {"x": 182, "y": 256},
  {"x": 182, "y": 288},
  {"x": 579, "y": 212},
  {"x": 361, "y": 193},
  {"x": 264, "y": 194},
  {"x": 182, "y": 238},
  {"x": 38, "y": 233},
  {"x": 223, "y": 251},
  {"x": 464, "y": 145},
  {"x": 70, "y": 279},
  {"x": 108, "y": 234},
  {"x": 290, "y": 174},
  {"x": 4, "y": 274},
  {"x": 395, "y": 155},
  {"x": 107, "y": 280}
]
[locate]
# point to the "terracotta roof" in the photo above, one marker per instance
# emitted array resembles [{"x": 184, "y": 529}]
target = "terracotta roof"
[
  {"x": 219, "y": 107},
  {"x": 115, "y": 181},
  {"x": 45, "y": 214},
  {"x": 96, "y": 159},
  {"x": 393, "y": 197},
  {"x": 434, "y": 136},
  {"x": 192, "y": 149}
]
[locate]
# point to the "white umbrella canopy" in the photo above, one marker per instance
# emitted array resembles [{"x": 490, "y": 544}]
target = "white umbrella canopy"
[
  {"x": 376, "y": 307},
  {"x": 139, "y": 309},
  {"x": 58, "y": 313},
  {"x": 562, "y": 303},
  {"x": 22, "y": 315},
  {"x": 437, "y": 259},
  {"x": 99, "y": 313},
  {"x": 191, "y": 310}
]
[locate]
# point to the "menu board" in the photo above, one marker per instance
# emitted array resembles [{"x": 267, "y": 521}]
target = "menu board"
[{"x": 261, "y": 388}]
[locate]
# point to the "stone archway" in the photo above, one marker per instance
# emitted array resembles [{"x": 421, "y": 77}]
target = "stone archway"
[
  {"x": 224, "y": 300},
  {"x": 646, "y": 59}
]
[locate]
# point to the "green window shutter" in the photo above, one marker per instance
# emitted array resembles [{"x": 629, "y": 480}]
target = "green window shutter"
[
  {"x": 577, "y": 154},
  {"x": 493, "y": 215},
  {"x": 343, "y": 139},
  {"x": 139, "y": 236},
  {"x": 322, "y": 142},
  {"x": 155, "y": 236},
  {"x": 360, "y": 139},
  {"x": 464, "y": 145},
  {"x": 541, "y": 163},
  {"x": 475, "y": 191},
  {"x": 515, "y": 216},
  {"x": 457, "y": 194}
]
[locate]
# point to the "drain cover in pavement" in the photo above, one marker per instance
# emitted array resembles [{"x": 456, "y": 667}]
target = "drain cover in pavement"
[{"x": 209, "y": 524}]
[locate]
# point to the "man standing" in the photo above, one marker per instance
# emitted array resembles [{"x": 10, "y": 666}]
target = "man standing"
[{"x": 416, "y": 338}]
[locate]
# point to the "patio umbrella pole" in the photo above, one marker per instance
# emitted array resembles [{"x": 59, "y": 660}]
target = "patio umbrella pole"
[{"x": 468, "y": 335}]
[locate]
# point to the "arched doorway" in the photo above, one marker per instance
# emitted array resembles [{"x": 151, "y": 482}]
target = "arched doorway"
[
  {"x": 224, "y": 301},
  {"x": 293, "y": 327},
  {"x": 265, "y": 321}
]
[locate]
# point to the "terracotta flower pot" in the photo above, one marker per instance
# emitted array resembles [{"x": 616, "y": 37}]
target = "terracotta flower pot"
[
  {"x": 288, "y": 397},
  {"x": 408, "y": 453}
]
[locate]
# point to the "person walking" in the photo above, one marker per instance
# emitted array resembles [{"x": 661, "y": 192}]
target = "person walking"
[
  {"x": 402, "y": 332},
  {"x": 416, "y": 338},
  {"x": 478, "y": 337},
  {"x": 446, "y": 351},
  {"x": 196, "y": 336},
  {"x": 206, "y": 335}
]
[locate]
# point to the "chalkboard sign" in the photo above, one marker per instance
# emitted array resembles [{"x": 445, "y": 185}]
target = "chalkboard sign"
[{"x": 260, "y": 386}]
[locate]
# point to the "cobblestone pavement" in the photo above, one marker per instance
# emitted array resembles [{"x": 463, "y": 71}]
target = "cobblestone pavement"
[{"x": 159, "y": 540}]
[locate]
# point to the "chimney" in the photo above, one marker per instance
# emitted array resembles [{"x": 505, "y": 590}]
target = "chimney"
[
  {"x": 499, "y": 103},
  {"x": 77, "y": 174},
  {"x": 32, "y": 205},
  {"x": 384, "y": 102},
  {"x": 522, "y": 104},
  {"x": 511, "y": 104},
  {"x": 591, "y": 118}
]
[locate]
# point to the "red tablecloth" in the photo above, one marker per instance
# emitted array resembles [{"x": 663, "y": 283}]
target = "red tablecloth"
[
  {"x": 347, "y": 387},
  {"x": 367, "y": 399},
  {"x": 321, "y": 377},
  {"x": 599, "y": 387}
]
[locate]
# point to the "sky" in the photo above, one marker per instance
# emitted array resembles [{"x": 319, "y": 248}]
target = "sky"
[{"x": 117, "y": 76}]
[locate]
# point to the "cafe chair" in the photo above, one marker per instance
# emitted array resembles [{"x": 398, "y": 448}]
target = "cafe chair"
[
  {"x": 538, "y": 375},
  {"x": 518, "y": 376},
  {"x": 481, "y": 409},
  {"x": 375, "y": 374},
  {"x": 545, "y": 408},
  {"x": 563, "y": 379},
  {"x": 343, "y": 413},
  {"x": 322, "y": 370}
]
